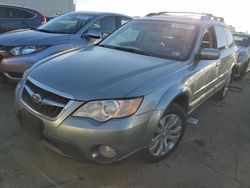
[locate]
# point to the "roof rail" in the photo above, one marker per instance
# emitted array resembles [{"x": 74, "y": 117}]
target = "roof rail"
[{"x": 202, "y": 16}]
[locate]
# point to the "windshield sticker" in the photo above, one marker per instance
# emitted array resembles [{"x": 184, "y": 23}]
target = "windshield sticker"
[{"x": 183, "y": 26}]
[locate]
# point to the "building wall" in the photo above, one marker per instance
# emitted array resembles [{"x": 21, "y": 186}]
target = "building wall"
[{"x": 47, "y": 7}]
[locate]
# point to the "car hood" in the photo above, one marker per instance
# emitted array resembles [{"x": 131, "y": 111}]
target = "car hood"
[
  {"x": 100, "y": 73},
  {"x": 32, "y": 37}
]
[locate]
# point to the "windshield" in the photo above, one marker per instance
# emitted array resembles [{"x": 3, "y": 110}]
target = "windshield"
[
  {"x": 241, "y": 40},
  {"x": 154, "y": 38},
  {"x": 68, "y": 23}
]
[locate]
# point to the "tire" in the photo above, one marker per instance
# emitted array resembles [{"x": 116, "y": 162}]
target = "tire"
[
  {"x": 221, "y": 94},
  {"x": 168, "y": 133}
]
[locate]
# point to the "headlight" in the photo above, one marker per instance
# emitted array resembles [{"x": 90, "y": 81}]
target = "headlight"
[
  {"x": 108, "y": 109},
  {"x": 24, "y": 50}
]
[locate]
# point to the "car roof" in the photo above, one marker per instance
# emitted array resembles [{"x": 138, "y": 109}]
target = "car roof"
[
  {"x": 99, "y": 13},
  {"x": 182, "y": 19}
]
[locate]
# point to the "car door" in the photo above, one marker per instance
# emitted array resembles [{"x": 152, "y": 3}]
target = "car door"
[
  {"x": 226, "y": 59},
  {"x": 205, "y": 76}
]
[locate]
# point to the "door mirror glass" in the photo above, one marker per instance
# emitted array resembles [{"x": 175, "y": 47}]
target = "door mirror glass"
[
  {"x": 93, "y": 33},
  {"x": 209, "y": 54}
]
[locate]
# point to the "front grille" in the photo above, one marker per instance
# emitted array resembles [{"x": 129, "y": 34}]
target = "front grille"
[{"x": 42, "y": 101}]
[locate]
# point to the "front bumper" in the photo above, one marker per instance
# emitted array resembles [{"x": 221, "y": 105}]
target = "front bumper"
[
  {"x": 13, "y": 67},
  {"x": 79, "y": 138}
]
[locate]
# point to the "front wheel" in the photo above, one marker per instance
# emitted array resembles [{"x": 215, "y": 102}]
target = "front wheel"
[{"x": 168, "y": 133}]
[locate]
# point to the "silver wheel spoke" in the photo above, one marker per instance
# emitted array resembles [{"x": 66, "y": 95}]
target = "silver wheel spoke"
[
  {"x": 172, "y": 121},
  {"x": 156, "y": 137},
  {"x": 173, "y": 138},
  {"x": 177, "y": 130},
  {"x": 166, "y": 146},
  {"x": 159, "y": 149},
  {"x": 163, "y": 122},
  {"x": 154, "y": 144}
]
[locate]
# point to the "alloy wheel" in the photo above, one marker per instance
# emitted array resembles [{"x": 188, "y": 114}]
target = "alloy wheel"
[{"x": 166, "y": 135}]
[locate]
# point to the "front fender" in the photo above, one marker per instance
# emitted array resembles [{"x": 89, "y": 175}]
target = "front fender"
[
  {"x": 171, "y": 94},
  {"x": 167, "y": 98}
]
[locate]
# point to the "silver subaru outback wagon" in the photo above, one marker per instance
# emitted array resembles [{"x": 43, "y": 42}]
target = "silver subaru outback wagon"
[{"x": 131, "y": 92}]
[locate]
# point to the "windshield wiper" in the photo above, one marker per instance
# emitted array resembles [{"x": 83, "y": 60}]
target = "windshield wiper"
[{"x": 126, "y": 49}]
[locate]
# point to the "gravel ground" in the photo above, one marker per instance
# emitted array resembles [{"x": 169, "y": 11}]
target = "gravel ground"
[{"x": 214, "y": 153}]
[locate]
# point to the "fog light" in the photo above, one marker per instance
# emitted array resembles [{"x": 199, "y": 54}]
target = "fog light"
[{"x": 107, "y": 151}]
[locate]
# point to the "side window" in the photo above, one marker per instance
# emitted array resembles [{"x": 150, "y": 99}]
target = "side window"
[
  {"x": 27, "y": 15},
  {"x": 105, "y": 25},
  {"x": 221, "y": 37},
  {"x": 229, "y": 37},
  {"x": 208, "y": 39},
  {"x": 13, "y": 13},
  {"x": 3, "y": 13}
]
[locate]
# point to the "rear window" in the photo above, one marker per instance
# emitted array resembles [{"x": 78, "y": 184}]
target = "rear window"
[{"x": 28, "y": 14}]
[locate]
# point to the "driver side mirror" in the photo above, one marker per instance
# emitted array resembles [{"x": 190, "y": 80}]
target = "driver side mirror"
[
  {"x": 93, "y": 33},
  {"x": 209, "y": 54}
]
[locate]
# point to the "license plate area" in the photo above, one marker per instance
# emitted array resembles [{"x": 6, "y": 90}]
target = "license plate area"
[{"x": 31, "y": 124}]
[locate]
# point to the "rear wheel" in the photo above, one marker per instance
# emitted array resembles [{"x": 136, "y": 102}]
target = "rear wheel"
[
  {"x": 168, "y": 133},
  {"x": 221, "y": 94}
]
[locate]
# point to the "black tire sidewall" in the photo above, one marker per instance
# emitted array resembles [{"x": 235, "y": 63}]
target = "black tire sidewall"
[{"x": 219, "y": 95}]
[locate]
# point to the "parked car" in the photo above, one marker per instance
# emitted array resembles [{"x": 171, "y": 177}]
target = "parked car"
[
  {"x": 132, "y": 91},
  {"x": 243, "y": 42},
  {"x": 21, "y": 49},
  {"x": 15, "y": 17}
]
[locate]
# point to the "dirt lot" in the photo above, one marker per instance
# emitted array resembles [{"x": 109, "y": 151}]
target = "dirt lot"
[{"x": 215, "y": 153}]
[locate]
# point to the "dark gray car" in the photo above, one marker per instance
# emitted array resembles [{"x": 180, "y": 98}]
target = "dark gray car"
[
  {"x": 21, "y": 49},
  {"x": 133, "y": 91}
]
